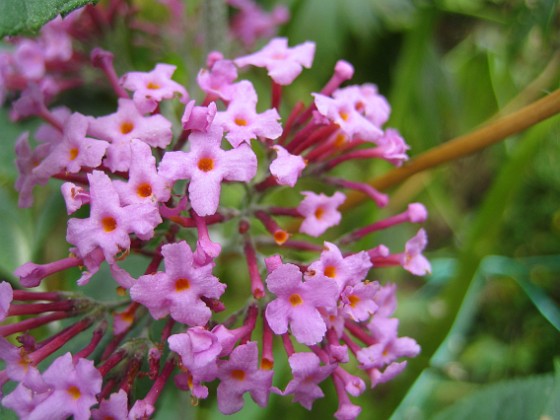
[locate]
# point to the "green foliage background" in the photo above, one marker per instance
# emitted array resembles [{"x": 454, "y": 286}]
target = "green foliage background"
[{"x": 489, "y": 326}]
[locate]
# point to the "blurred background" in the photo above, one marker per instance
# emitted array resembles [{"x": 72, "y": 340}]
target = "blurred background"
[{"x": 488, "y": 317}]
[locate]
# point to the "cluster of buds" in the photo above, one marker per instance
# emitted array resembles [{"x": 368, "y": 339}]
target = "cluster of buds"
[{"x": 158, "y": 193}]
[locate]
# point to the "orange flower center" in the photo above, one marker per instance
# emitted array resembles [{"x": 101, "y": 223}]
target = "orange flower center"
[
  {"x": 144, "y": 190},
  {"x": 354, "y": 300},
  {"x": 238, "y": 374},
  {"x": 182, "y": 284},
  {"x": 280, "y": 236},
  {"x": 206, "y": 164},
  {"x": 74, "y": 153},
  {"x": 109, "y": 224},
  {"x": 319, "y": 212},
  {"x": 330, "y": 271},
  {"x": 127, "y": 127},
  {"x": 74, "y": 392},
  {"x": 153, "y": 85},
  {"x": 295, "y": 300},
  {"x": 343, "y": 115},
  {"x": 240, "y": 121}
]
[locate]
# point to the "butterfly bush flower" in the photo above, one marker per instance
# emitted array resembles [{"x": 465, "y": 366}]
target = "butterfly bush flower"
[{"x": 212, "y": 214}]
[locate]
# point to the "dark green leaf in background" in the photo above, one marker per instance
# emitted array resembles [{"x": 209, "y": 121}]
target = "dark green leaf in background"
[{"x": 27, "y": 16}]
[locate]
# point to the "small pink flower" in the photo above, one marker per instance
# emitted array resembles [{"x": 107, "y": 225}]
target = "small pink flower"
[
  {"x": 74, "y": 196},
  {"x": 75, "y": 150},
  {"x": 412, "y": 259},
  {"x": 179, "y": 290},
  {"x": 367, "y": 101},
  {"x": 283, "y": 64},
  {"x": 307, "y": 374},
  {"x": 72, "y": 389},
  {"x": 116, "y": 407},
  {"x": 152, "y": 87},
  {"x": 217, "y": 80},
  {"x": 206, "y": 165},
  {"x": 240, "y": 374},
  {"x": 320, "y": 212},
  {"x": 345, "y": 271},
  {"x": 6, "y": 297},
  {"x": 286, "y": 168},
  {"x": 298, "y": 304},
  {"x": 109, "y": 224},
  {"x": 242, "y": 123}
]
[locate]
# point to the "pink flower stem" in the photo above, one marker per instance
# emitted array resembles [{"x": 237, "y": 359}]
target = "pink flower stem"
[
  {"x": 119, "y": 337},
  {"x": 301, "y": 136},
  {"x": 298, "y": 107},
  {"x": 111, "y": 362},
  {"x": 358, "y": 154},
  {"x": 379, "y": 198},
  {"x": 284, "y": 211},
  {"x": 60, "y": 340},
  {"x": 268, "y": 182},
  {"x": 381, "y": 224},
  {"x": 76, "y": 178},
  {"x": 39, "y": 308},
  {"x": 32, "y": 323},
  {"x": 280, "y": 235},
  {"x": 354, "y": 348},
  {"x": 103, "y": 60},
  {"x": 27, "y": 295},
  {"x": 267, "y": 361},
  {"x": 321, "y": 135},
  {"x": 321, "y": 353},
  {"x": 257, "y": 286},
  {"x": 288, "y": 346},
  {"x": 276, "y": 95},
  {"x": 48, "y": 117},
  {"x": 95, "y": 339},
  {"x": 244, "y": 332},
  {"x": 107, "y": 388},
  {"x": 167, "y": 329},
  {"x": 359, "y": 333},
  {"x": 160, "y": 382}
]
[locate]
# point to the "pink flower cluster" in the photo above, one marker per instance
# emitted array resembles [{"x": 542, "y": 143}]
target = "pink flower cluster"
[{"x": 151, "y": 188}]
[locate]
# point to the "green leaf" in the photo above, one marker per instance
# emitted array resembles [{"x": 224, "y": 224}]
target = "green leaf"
[
  {"x": 28, "y": 16},
  {"x": 511, "y": 400}
]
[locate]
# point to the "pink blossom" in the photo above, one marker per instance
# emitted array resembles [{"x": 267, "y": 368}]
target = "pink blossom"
[
  {"x": 179, "y": 290},
  {"x": 242, "y": 123},
  {"x": 342, "y": 113},
  {"x": 75, "y": 151},
  {"x": 206, "y": 165},
  {"x": 31, "y": 274},
  {"x": 392, "y": 147},
  {"x": 109, "y": 224},
  {"x": 144, "y": 185},
  {"x": 286, "y": 168},
  {"x": 6, "y": 297},
  {"x": 412, "y": 259},
  {"x": 125, "y": 125},
  {"x": 217, "y": 80},
  {"x": 307, "y": 374},
  {"x": 320, "y": 212},
  {"x": 152, "y": 87},
  {"x": 116, "y": 407},
  {"x": 198, "y": 118},
  {"x": 240, "y": 374},
  {"x": 19, "y": 367},
  {"x": 26, "y": 161},
  {"x": 358, "y": 303},
  {"x": 344, "y": 271},
  {"x": 298, "y": 304},
  {"x": 252, "y": 22},
  {"x": 199, "y": 350},
  {"x": 74, "y": 196},
  {"x": 72, "y": 389},
  {"x": 283, "y": 64},
  {"x": 367, "y": 101}
]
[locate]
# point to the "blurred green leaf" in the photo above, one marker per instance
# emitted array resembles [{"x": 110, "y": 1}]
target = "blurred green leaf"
[
  {"x": 28, "y": 16},
  {"x": 517, "y": 399}
]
